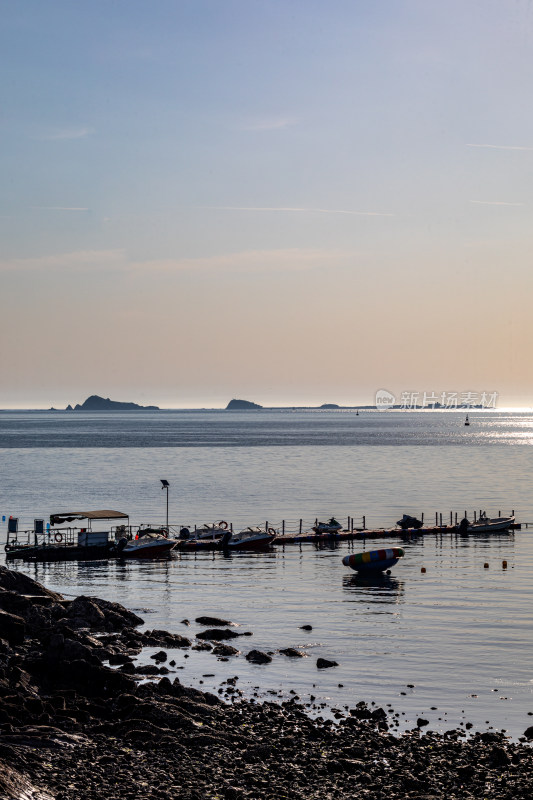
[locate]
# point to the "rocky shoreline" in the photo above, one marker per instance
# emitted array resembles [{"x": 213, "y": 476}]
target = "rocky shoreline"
[{"x": 76, "y": 722}]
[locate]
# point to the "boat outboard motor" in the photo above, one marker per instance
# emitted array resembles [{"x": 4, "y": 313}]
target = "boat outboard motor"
[
  {"x": 464, "y": 525},
  {"x": 225, "y": 539},
  {"x": 184, "y": 533},
  {"x": 121, "y": 544}
]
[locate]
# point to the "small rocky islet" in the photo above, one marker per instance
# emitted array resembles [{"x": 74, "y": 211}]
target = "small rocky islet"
[{"x": 76, "y": 721}]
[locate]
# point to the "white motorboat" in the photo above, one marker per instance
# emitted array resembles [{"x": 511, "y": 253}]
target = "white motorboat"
[
  {"x": 485, "y": 524},
  {"x": 211, "y": 530},
  {"x": 148, "y": 543},
  {"x": 249, "y": 539},
  {"x": 208, "y": 537}
]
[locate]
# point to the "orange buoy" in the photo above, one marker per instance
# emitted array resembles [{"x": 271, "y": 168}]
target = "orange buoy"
[
  {"x": 486, "y": 566},
  {"x": 423, "y": 569}
]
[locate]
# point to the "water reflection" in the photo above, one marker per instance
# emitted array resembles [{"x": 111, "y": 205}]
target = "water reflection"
[{"x": 375, "y": 588}]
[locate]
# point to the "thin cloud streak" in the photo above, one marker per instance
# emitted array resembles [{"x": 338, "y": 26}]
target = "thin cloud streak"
[
  {"x": 494, "y": 203},
  {"x": 501, "y": 146},
  {"x": 299, "y": 210},
  {"x": 272, "y": 124},
  {"x": 65, "y": 134},
  {"x": 59, "y": 208},
  {"x": 250, "y": 261}
]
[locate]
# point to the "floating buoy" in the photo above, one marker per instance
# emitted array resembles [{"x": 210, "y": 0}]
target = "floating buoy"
[
  {"x": 504, "y": 564},
  {"x": 373, "y": 560},
  {"x": 423, "y": 569},
  {"x": 485, "y": 565}
]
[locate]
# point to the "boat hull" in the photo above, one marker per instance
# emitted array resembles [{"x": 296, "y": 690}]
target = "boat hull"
[
  {"x": 151, "y": 550},
  {"x": 260, "y": 543},
  {"x": 491, "y": 526},
  {"x": 44, "y": 553}
]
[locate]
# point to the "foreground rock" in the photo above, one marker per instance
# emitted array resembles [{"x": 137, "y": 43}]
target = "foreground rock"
[{"x": 71, "y": 727}]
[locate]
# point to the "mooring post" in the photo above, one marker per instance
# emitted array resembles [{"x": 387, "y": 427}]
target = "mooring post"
[
  {"x": 364, "y": 522},
  {"x": 441, "y": 519},
  {"x": 436, "y": 519},
  {"x": 474, "y": 516},
  {"x": 422, "y": 518},
  {"x": 451, "y": 517},
  {"x": 283, "y": 527},
  {"x": 300, "y": 527}
]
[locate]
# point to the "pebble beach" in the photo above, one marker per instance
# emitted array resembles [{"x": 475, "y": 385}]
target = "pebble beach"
[{"x": 80, "y": 718}]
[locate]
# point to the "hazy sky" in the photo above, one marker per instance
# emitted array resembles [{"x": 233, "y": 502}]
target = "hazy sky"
[{"x": 288, "y": 201}]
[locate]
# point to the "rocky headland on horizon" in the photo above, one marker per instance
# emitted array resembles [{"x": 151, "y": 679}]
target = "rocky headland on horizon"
[
  {"x": 96, "y": 403},
  {"x": 76, "y": 721}
]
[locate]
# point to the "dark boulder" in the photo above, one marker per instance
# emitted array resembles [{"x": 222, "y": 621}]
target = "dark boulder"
[
  {"x": 157, "y": 638},
  {"x": 217, "y": 635},
  {"x": 225, "y": 650},
  {"x": 18, "y": 582},
  {"x": 324, "y": 663},
  {"x": 97, "y": 614},
  {"x": 258, "y": 657},
  {"x": 212, "y": 621},
  {"x": 12, "y": 627},
  {"x": 292, "y": 652}
]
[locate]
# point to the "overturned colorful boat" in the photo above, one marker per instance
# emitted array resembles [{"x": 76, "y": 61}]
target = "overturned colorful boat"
[{"x": 374, "y": 560}]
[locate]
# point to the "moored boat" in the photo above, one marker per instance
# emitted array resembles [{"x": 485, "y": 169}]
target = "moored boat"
[
  {"x": 332, "y": 526},
  {"x": 60, "y": 541},
  {"x": 148, "y": 543},
  {"x": 251, "y": 538},
  {"x": 373, "y": 560},
  {"x": 486, "y": 524},
  {"x": 208, "y": 537}
]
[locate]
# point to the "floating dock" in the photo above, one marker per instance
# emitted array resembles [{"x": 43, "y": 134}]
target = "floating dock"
[{"x": 379, "y": 533}]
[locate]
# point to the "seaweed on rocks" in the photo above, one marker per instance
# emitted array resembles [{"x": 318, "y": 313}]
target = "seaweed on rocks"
[{"x": 71, "y": 727}]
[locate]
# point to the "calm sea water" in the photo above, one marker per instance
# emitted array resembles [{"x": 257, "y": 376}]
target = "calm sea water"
[{"x": 460, "y": 634}]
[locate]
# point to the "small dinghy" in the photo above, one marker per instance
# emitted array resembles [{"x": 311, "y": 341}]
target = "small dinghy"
[{"x": 373, "y": 560}]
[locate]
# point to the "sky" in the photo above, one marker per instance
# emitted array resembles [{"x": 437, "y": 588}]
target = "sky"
[{"x": 288, "y": 201}]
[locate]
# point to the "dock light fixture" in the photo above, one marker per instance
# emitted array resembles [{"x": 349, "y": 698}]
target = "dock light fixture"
[{"x": 165, "y": 485}]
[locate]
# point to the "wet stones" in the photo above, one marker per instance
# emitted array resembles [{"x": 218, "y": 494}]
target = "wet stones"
[
  {"x": 258, "y": 657},
  {"x": 160, "y": 656},
  {"x": 217, "y": 635},
  {"x": 13, "y": 627},
  {"x": 169, "y": 640},
  {"x": 213, "y": 621},
  {"x": 324, "y": 663},
  {"x": 225, "y": 650},
  {"x": 292, "y": 652}
]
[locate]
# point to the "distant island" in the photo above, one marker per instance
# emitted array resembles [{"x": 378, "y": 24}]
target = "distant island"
[
  {"x": 96, "y": 403},
  {"x": 329, "y": 405},
  {"x": 242, "y": 405}
]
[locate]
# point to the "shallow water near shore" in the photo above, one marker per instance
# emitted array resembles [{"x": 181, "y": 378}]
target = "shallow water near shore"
[{"x": 457, "y": 637}]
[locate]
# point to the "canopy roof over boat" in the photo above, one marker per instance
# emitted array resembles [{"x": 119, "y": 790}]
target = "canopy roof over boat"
[{"x": 70, "y": 516}]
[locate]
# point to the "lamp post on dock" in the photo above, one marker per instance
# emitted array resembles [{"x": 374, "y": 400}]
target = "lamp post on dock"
[{"x": 165, "y": 486}]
